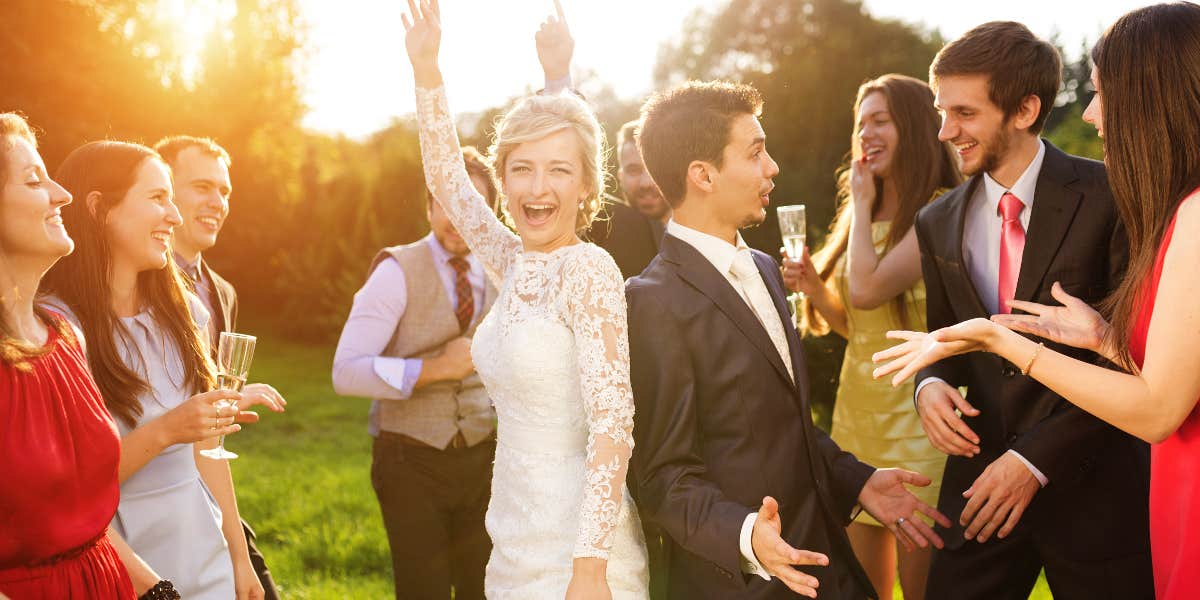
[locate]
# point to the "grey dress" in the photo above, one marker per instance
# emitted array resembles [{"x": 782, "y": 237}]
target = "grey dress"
[{"x": 167, "y": 515}]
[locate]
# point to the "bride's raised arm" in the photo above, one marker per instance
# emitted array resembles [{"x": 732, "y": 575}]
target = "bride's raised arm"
[
  {"x": 445, "y": 173},
  {"x": 595, "y": 298}
]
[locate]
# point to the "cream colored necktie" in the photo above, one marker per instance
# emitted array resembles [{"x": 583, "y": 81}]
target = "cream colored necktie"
[{"x": 755, "y": 289}]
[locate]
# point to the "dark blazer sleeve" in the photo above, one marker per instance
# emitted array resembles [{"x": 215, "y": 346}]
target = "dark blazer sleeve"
[
  {"x": 672, "y": 482},
  {"x": 233, "y": 308},
  {"x": 938, "y": 312},
  {"x": 1057, "y": 444},
  {"x": 849, "y": 475}
]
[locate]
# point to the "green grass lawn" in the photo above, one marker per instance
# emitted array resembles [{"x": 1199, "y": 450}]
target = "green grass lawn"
[{"x": 303, "y": 481}]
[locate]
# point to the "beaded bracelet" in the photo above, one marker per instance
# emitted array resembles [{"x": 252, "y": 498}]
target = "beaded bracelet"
[
  {"x": 163, "y": 590},
  {"x": 1029, "y": 365}
]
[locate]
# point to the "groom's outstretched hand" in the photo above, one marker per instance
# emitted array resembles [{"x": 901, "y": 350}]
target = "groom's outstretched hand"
[
  {"x": 777, "y": 556},
  {"x": 885, "y": 498}
]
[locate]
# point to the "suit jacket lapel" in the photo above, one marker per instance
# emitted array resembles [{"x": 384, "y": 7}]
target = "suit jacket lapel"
[
  {"x": 955, "y": 247},
  {"x": 697, "y": 271},
  {"x": 1054, "y": 208},
  {"x": 219, "y": 288},
  {"x": 768, "y": 270}
]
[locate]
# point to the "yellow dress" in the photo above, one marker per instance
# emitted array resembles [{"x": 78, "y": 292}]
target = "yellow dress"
[{"x": 871, "y": 419}]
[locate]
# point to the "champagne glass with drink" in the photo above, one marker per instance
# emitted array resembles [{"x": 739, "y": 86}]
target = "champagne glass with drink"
[
  {"x": 793, "y": 227},
  {"x": 234, "y": 353}
]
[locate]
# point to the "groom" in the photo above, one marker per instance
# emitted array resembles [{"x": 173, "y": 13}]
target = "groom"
[{"x": 727, "y": 459}]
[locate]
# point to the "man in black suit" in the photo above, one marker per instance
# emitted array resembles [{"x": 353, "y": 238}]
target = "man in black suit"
[
  {"x": 1032, "y": 481},
  {"x": 200, "y": 170},
  {"x": 727, "y": 459}
]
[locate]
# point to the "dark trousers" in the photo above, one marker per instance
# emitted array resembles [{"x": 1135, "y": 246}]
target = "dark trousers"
[
  {"x": 433, "y": 503},
  {"x": 260, "y": 565},
  {"x": 658, "y": 558},
  {"x": 1007, "y": 569}
]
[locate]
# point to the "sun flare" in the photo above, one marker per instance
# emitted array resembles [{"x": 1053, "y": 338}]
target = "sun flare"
[{"x": 192, "y": 24}]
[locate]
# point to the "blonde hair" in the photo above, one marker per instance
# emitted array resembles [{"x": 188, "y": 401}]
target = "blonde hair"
[{"x": 536, "y": 117}]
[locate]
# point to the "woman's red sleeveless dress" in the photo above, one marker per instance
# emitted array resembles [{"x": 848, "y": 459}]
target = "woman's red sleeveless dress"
[
  {"x": 59, "y": 452},
  {"x": 1174, "y": 474}
]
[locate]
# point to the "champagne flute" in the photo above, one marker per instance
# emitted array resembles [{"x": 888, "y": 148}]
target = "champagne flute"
[
  {"x": 234, "y": 353},
  {"x": 793, "y": 226}
]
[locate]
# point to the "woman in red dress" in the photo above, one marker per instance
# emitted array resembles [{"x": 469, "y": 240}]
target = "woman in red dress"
[
  {"x": 59, "y": 448},
  {"x": 1147, "y": 108}
]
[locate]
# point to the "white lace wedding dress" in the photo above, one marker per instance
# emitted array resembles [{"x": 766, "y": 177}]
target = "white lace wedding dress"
[{"x": 553, "y": 354}]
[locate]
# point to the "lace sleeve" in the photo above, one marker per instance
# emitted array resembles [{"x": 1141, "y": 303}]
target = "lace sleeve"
[
  {"x": 446, "y": 175},
  {"x": 595, "y": 301}
]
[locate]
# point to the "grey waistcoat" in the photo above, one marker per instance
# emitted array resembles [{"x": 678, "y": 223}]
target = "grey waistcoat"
[{"x": 436, "y": 412}]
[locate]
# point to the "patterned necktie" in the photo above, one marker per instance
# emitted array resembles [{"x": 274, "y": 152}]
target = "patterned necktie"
[
  {"x": 1012, "y": 246},
  {"x": 466, "y": 296},
  {"x": 747, "y": 274}
]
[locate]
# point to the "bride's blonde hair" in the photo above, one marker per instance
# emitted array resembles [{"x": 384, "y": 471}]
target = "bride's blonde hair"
[{"x": 538, "y": 116}]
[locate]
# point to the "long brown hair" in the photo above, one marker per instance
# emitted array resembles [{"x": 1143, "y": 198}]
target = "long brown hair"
[
  {"x": 921, "y": 166},
  {"x": 81, "y": 280},
  {"x": 1148, "y": 65},
  {"x": 13, "y": 350}
]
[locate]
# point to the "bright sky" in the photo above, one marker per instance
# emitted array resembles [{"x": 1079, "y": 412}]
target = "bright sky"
[{"x": 358, "y": 78}]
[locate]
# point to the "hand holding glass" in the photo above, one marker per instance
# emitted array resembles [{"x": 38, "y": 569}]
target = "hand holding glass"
[
  {"x": 235, "y": 351},
  {"x": 793, "y": 226}
]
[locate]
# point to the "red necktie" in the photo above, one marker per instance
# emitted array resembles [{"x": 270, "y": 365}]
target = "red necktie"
[
  {"x": 1012, "y": 245},
  {"x": 466, "y": 296}
]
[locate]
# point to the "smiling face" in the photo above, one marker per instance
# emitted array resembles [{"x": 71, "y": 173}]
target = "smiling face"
[
  {"x": 30, "y": 205},
  {"x": 877, "y": 134},
  {"x": 975, "y": 126},
  {"x": 640, "y": 189},
  {"x": 202, "y": 190},
  {"x": 138, "y": 228},
  {"x": 544, "y": 185},
  {"x": 741, "y": 188}
]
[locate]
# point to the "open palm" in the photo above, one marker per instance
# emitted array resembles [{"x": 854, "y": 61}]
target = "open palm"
[
  {"x": 1074, "y": 323},
  {"x": 422, "y": 32},
  {"x": 919, "y": 350}
]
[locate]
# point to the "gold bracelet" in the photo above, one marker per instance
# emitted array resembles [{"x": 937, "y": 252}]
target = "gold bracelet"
[{"x": 1029, "y": 365}]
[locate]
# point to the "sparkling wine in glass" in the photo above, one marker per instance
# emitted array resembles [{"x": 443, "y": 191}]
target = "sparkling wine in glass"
[
  {"x": 235, "y": 351},
  {"x": 793, "y": 227}
]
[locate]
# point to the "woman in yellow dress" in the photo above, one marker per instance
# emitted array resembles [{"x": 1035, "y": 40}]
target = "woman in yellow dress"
[{"x": 866, "y": 280}]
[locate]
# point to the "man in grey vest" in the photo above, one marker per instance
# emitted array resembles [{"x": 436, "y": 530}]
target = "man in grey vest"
[{"x": 406, "y": 344}]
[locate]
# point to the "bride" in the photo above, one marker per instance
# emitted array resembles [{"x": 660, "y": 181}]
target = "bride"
[{"x": 553, "y": 352}]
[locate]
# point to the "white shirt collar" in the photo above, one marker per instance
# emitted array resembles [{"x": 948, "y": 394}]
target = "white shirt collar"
[
  {"x": 1024, "y": 188},
  {"x": 718, "y": 251}
]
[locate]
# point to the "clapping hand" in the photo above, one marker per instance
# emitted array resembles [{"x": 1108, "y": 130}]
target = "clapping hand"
[
  {"x": 1074, "y": 323},
  {"x": 555, "y": 46},
  {"x": 777, "y": 556},
  {"x": 919, "y": 350},
  {"x": 885, "y": 498}
]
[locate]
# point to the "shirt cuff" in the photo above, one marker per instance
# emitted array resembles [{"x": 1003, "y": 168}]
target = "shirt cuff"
[
  {"x": 554, "y": 86},
  {"x": 400, "y": 373},
  {"x": 1032, "y": 469},
  {"x": 750, "y": 562},
  {"x": 920, "y": 386}
]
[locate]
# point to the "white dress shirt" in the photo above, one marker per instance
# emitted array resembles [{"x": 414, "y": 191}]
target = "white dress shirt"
[
  {"x": 981, "y": 247},
  {"x": 358, "y": 368},
  {"x": 721, "y": 254}
]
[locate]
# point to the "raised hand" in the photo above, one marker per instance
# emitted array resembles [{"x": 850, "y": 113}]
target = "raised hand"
[
  {"x": 555, "y": 46},
  {"x": 862, "y": 188},
  {"x": 422, "y": 39},
  {"x": 885, "y": 498},
  {"x": 936, "y": 404},
  {"x": 998, "y": 498},
  {"x": 1074, "y": 323},
  {"x": 777, "y": 556},
  {"x": 919, "y": 350}
]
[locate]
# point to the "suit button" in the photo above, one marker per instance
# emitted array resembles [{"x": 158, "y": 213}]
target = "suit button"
[
  {"x": 1012, "y": 439},
  {"x": 1009, "y": 371}
]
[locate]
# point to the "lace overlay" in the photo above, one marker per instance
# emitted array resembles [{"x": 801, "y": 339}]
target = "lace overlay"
[{"x": 554, "y": 356}]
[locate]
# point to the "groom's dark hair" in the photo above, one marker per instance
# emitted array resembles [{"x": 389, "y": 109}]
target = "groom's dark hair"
[
  {"x": 688, "y": 123},
  {"x": 1016, "y": 63}
]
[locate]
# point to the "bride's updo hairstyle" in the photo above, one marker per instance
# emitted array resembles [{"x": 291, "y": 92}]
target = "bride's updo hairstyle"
[{"x": 538, "y": 116}]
